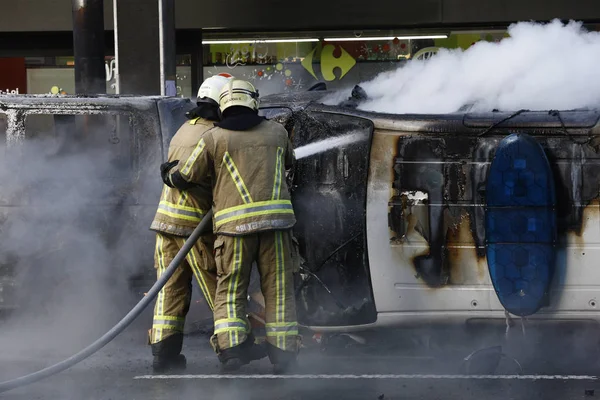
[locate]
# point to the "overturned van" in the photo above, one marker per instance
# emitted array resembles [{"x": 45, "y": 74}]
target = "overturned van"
[
  {"x": 396, "y": 223},
  {"x": 408, "y": 223}
]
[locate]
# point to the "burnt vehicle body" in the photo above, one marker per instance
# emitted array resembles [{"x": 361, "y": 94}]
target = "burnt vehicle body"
[
  {"x": 393, "y": 224},
  {"x": 390, "y": 225}
]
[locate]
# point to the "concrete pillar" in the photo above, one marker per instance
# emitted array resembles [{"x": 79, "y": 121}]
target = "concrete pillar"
[
  {"x": 197, "y": 52},
  {"x": 145, "y": 31},
  {"x": 138, "y": 47},
  {"x": 88, "y": 46},
  {"x": 167, "y": 44}
]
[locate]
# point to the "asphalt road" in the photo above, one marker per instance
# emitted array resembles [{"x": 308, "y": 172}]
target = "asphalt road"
[{"x": 390, "y": 366}]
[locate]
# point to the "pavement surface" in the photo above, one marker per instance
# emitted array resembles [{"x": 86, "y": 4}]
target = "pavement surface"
[{"x": 391, "y": 365}]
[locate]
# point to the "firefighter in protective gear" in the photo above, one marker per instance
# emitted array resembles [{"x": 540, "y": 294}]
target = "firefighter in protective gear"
[
  {"x": 253, "y": 216},
  {"x": 179, "y": 212}
]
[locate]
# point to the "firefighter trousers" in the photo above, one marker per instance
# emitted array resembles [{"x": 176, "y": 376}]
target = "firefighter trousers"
[
  {"x": 173, "y": 301},
  {"x": 234, "y": 256}
]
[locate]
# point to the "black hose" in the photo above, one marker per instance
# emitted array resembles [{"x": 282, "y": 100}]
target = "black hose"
[
  {"x": 495, "y": 125},
  {"x": 201, "y": 229}
]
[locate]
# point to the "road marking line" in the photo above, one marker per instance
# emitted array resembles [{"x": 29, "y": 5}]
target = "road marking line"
[{"x": 383, "y": 376}]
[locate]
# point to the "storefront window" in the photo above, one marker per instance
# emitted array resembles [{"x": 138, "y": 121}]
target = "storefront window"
[
  {"x": 274, "y": 64},
  {"x": 339, "y": 62},
  {"x": 184, "y": 81},
  {"x": 280, "y": 67},
  {"x": 56, "y": 75}
]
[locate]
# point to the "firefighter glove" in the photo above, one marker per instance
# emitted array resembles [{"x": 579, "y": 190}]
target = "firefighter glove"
[{"x": 165, "y": 168}]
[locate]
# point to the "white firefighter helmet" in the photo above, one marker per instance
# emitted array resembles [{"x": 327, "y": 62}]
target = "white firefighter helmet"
[
  {"x": 238, "y": 93},
  {"x": 211, "y": 87}
]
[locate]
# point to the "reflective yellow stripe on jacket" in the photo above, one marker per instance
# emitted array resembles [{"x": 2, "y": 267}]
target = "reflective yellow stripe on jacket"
[
  {"x": 252, "y": 210},
  {"x": 178, "y": 211},
  {"x": 277, "y": 180},
  {"x": 237, "y": 179},
  {"x": 193, "y": 157}
]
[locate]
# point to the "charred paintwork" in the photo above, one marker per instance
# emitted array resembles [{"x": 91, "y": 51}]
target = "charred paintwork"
[
  {"x": 466, "y": 266},
  {"x": 447, "y": 158},
  {"x": 411, "y": 175},
  {"x": 453, "y": 170}
]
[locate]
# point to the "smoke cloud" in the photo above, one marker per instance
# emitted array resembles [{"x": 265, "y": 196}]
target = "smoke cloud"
[
  {"x": 539, "y": 67},
  {"x": 72, "y": 234}
]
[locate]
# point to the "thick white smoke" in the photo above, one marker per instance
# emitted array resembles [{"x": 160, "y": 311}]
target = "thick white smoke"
[
  {"x": 68, "y": 231},
  {"x": 539, "y": 67}
]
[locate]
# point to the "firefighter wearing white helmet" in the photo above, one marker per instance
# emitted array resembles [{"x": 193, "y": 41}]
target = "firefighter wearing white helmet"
[
  {"x": 237, "y": 93},
  {"x": 211, "y": 88},
  {"x": 248, "y": 156},
  {"x": 180, "y": 210}
]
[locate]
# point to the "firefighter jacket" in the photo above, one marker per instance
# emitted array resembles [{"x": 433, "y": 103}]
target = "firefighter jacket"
[
  {"x": 180, "y": 211},
  {"x": 248, "y": 168}
]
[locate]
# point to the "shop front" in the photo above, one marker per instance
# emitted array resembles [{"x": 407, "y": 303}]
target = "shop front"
[{"x": 273, "y": 62}]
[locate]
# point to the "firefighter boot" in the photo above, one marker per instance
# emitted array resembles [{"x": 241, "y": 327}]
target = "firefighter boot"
[
  {"x": 167, "y": 355},
  {"x": 283, "y": 361},
  {"x": 234, "y": 358},
  {"x": 254, "y": 351}
]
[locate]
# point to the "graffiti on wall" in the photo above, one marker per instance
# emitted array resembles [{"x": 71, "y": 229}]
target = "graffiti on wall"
[
  {"x": 283, "y": 76},
  {"x": 257, "y": 53},
  {"x": 180, "y": 82}
]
